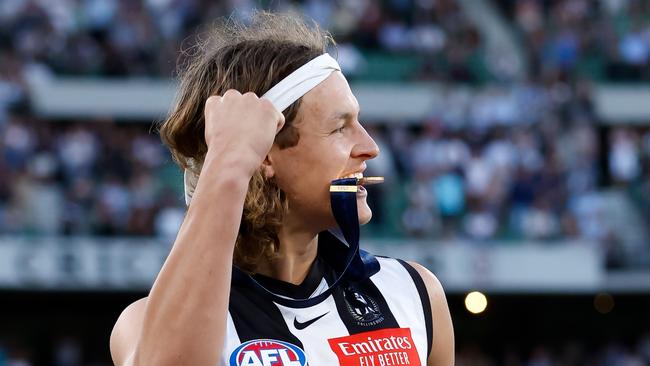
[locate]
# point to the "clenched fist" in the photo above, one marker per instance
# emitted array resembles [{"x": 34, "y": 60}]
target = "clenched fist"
[{"x": 241, "y": 127}]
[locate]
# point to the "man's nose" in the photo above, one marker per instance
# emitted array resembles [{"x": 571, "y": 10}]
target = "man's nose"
[{"x": 366, "y": 147}]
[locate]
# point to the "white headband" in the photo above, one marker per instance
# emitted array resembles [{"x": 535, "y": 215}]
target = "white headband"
[
  {"x": 282, "y": 95},
  {"x": 299, "y": 82}
]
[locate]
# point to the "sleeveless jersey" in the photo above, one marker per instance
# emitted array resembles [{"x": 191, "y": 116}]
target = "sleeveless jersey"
[{"x": 384, "y": 320}]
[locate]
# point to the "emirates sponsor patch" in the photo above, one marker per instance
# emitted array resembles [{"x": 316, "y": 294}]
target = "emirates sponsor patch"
[{"x": 385, "y": 347}]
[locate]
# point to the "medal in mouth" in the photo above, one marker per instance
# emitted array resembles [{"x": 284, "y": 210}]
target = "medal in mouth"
[{"x": 354, "y": 184}]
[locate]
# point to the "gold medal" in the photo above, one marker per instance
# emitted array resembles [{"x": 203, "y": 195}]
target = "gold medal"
[
  {"x": 366, "y": 181},
  {"x": 360, "y": 182}
]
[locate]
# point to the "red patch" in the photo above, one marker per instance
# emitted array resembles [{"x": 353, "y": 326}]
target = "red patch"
[{"x": 385, "y": 347}]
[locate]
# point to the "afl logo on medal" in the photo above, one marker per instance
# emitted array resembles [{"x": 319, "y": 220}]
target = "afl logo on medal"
[{"x": 267, "y": 352}]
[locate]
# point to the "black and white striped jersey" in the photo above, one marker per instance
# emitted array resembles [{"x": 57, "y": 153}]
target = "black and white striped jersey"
[{"x": 384, "y": 320}]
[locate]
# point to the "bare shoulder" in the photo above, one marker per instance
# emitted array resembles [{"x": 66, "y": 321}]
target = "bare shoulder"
[
  {"x": 442, "y": 346},
  {"x": 126, "y": 331}
]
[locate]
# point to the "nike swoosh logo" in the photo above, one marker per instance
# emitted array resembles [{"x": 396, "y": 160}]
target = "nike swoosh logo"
[{"x": 302, "y": 325}]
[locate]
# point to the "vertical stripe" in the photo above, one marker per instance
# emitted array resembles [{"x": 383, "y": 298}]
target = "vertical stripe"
[
  {"x": 231, "y": 340},
  {"x": 256, "y": 317},
  {"x": 401, "y": 295},
  {"x": 314, "y": 336},
  {"x": 424, "y": 299}
]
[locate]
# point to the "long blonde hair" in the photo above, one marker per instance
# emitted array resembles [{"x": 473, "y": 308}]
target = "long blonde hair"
[{"x": 246, "y": 57}]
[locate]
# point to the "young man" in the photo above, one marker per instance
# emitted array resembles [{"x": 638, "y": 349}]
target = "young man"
[{"x": 258, "y": 175}]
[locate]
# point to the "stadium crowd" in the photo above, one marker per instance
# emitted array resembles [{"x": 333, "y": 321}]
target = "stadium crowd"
[
  {"x": 142, "y": 38},
  {"x": 600, "y": 39},
  {"x": 608, "y": 39},
  {"x": 85, "y": 178}
]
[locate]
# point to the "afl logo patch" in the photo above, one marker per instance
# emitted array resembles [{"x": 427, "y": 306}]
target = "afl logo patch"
[{"x": 267, "y": 352}]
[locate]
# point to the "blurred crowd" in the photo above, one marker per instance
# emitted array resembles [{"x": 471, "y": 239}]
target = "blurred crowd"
[
  {"x": 520, "y": 164},
  {"x": 86, "y": 178},
  {"x": 607, "y": 39},
  {"x": 600, "y": 39},
  {"x": 143, "y": 38}
]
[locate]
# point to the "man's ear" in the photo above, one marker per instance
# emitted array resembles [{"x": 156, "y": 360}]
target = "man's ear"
[{"x": 267, "y": 167}]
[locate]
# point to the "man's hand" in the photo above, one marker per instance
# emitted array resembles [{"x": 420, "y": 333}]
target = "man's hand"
[{"x": 242, "y": 127}]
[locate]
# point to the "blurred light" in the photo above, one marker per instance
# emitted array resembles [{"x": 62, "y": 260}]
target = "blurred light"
[
  {"x": 475, "y": 302},
  {"x": 604, "y": 303}
]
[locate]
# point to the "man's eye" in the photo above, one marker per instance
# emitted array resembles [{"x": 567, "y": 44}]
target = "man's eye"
[{"x": 340, "y": 129}]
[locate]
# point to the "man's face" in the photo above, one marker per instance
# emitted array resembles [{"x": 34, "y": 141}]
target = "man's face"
[{"x": 332, "y": 145}]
